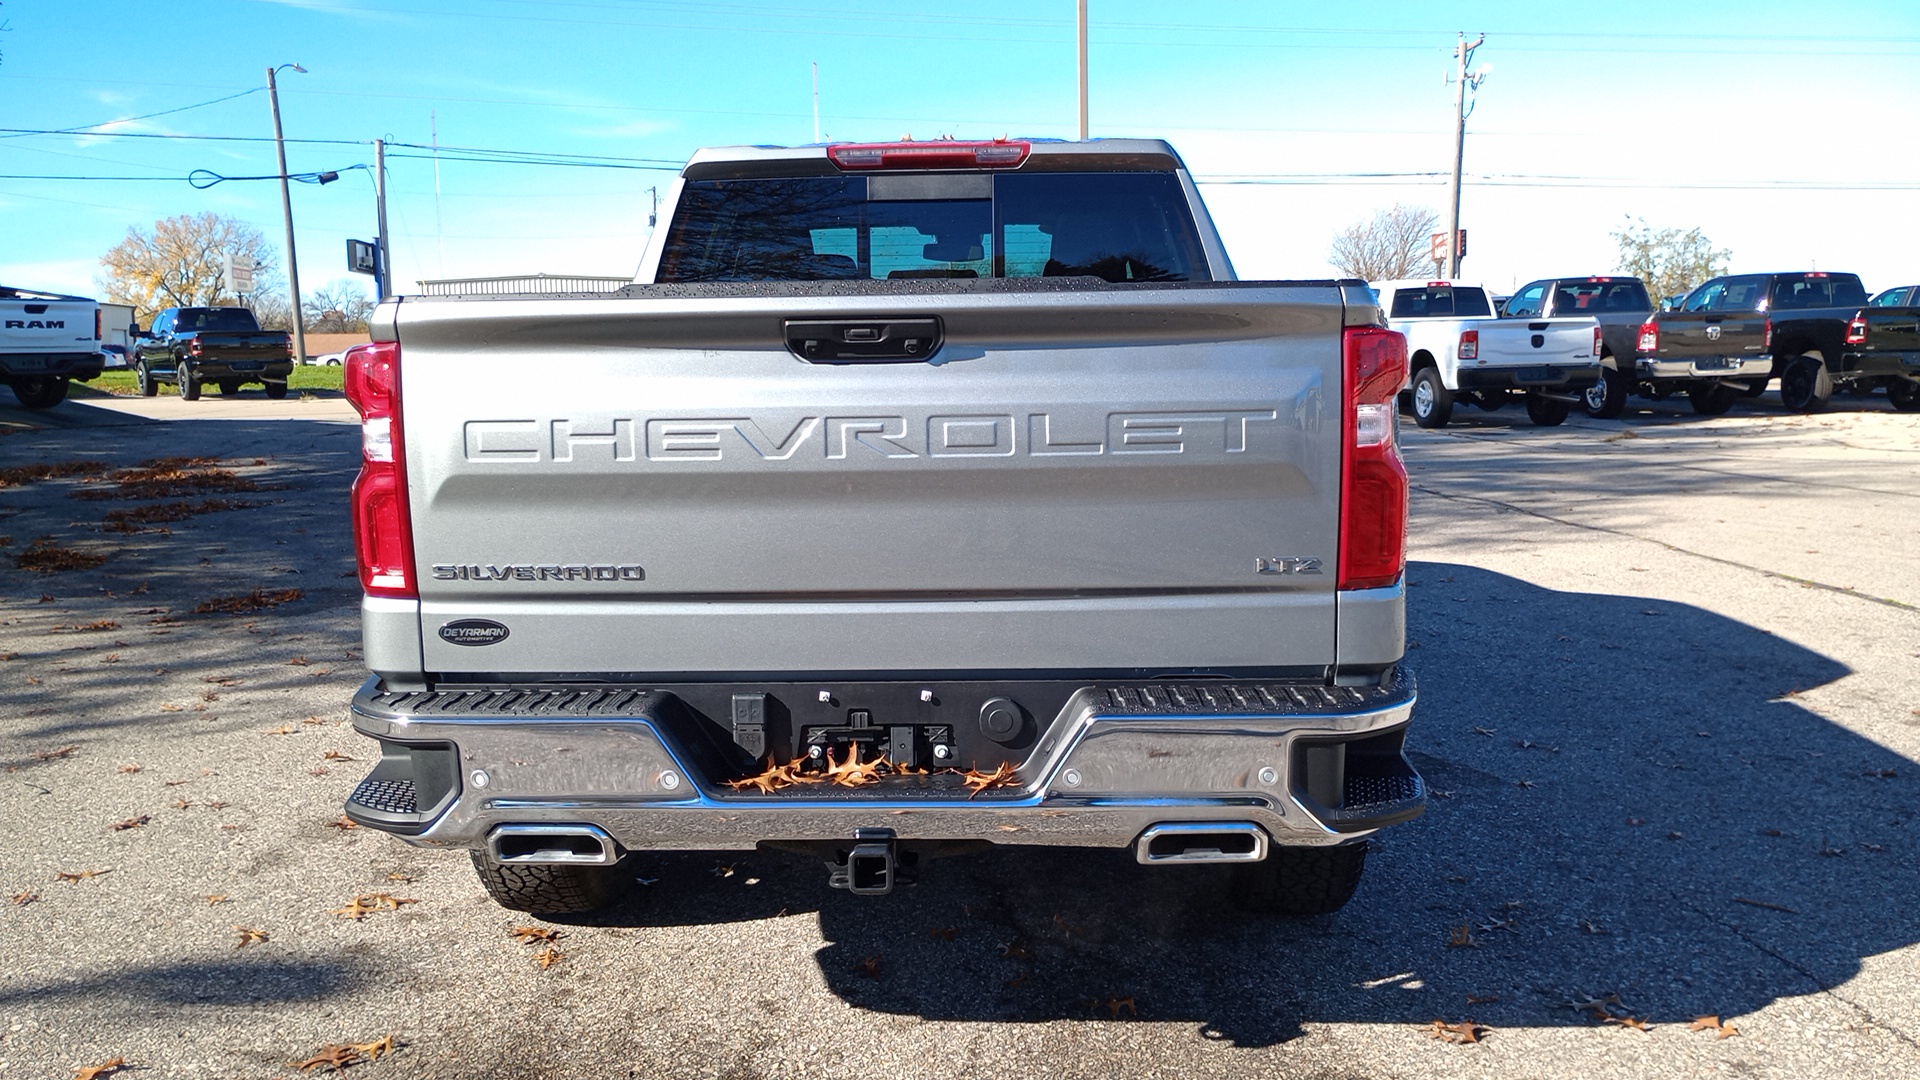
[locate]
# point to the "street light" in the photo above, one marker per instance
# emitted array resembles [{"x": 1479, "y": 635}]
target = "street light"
[{"x": 286, "y": 203}]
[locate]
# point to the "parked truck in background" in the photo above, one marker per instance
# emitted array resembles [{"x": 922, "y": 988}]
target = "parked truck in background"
[
  {"x": 1619, "y": 304},
  {"x": 1883, "y": 346},
  {"x": 1459, "y": 351},
  {"x": 47, "y": 340},
  {"x": 219, "y": 346},
  {"x": 1734, "y": 333},
  {"x": 923, "y": 498}
]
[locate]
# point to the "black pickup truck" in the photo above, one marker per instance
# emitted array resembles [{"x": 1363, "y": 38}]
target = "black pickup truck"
[
  {"x": 224, "y": 346},
  {"x": 1732, "y": 334},
  {"x": 1883, "y": 344},
  {"x": 1619, "y": 304}
]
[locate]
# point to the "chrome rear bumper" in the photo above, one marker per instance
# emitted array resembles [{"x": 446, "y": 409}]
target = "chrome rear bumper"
[{"x": 1307, "y": 764}]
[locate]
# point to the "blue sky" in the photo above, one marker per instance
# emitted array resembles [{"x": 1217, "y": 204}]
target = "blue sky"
[{"x": 1784, "y": 130}]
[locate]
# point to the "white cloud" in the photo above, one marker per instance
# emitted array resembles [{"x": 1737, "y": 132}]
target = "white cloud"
[{"x": 71, "y": 276}]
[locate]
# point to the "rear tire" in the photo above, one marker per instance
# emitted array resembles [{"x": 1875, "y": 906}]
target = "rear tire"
[
  {"x": 1546, "y": 412},
  {"x": 1607, "y": 399},
  {"x": 144, "y": 376},
  {"x": 1297, "y": 882},
  {"x": 1805, "y": 385},
  {"x": 276, "y": 390},
  {"x": 40, "y": 391},
  {"x": 189, "y": 384},
  {"x": 548, "y": 888},
  {"x": 1432, "y": 401},
  {"x": 1905, "y": 394},
  {"x": 1712, "y": 399}
]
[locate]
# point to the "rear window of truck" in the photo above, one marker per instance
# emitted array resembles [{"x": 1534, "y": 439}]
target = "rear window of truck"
[
  {"x": 1115, "y": 225},
  {"x": 1439, "y": 301},
  {"x": 1821, "y": 291},
  {"x": 1599, "y": 297},
  {"x": 215, "y": 320}
]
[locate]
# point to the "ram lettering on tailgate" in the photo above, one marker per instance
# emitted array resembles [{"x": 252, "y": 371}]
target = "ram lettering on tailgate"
[{"x": 1199, "y": 432}]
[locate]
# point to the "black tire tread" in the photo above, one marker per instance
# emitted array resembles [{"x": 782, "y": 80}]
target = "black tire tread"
[
  {"x": 1298, "y": 882},
  {"x": 1904, "y": 394},
  {"x": 547, "y": 888}
]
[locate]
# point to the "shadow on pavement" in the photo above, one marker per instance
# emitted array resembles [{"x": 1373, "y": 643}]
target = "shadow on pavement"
[
  {"x": 167, "y": 987},
  {"x": 1631, "y": 803}
]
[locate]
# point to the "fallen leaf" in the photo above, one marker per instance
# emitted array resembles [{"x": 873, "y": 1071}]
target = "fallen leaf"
[
  {"x": 215, "y": 805},
  {"x": 298, "y": 661},
  {"x": 129, "y": 769},
  {"x": 335, "y": 755},
  {"x": 82, "y": 875},
  {"x": 333, "y": 1057},
  {"x": 1713, "y": 1024},
  {"x": 1462, "y": 938},
  {"x": 25, "y": 897},
  {"x": 132, "y": 823},
  {"x": 313, "y": 720},
  {"x": 547, "y": 957},
  {"x": 170, "y": 707},
  {"x": 95, "y": 1072},
  {"x": 376, "y": 1049},
  {"x": 318, "y": 770},
  {"x": 533, "y": 935},
  {"x": 1002, "y": 776},
  {"x": 852, "y": 772},
  {"x": 1633, "y": 1022},
  {"x": 343, "y": 824},
  {"x": 1476, "y": 999},
  {"x": 52, "y": 755},
  {"x": 248, "y": 936},
  {"x": 1593, "y": 1004},
  {"x": 943, "y": 933},
  {"x": 870, "y": 967},
  {"x": 283, "y": 729},
  {"x": 367, "y": 903},
  {"x": 1464, "y": 1032},
  {"x": 400, "y": 877},
  {"x": 1487, "y": 731},
  {"x": 217, "y": 898}
]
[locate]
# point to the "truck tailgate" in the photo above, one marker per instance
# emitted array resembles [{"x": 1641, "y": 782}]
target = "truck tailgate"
[
  {"x": 1082, "y": 478},
  {"x": 1519, "y": 342}
]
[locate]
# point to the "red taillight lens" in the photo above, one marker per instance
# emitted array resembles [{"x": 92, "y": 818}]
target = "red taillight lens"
[
  {"x": 96, "y": 324},
  {"x": 1857, "y": 329},
  {"x": 946, "y": 154},
  {"x": 1469, "y": 345},
  {"x": 382, "y": 530},
  {"x": 193, "y": 347},
  {"x": 1649, "y": 336},
  {"x": 1373, "y": 480},
  {"x": 1766, "y": 338},
  {"x": 1599, "y": 340}
]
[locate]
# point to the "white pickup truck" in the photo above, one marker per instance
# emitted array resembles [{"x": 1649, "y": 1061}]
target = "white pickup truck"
[
  {"x": 45, "y": 340},
  {"x": 1458, "y": 350}
]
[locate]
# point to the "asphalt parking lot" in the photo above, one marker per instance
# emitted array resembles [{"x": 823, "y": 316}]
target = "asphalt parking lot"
[{"x": 1670, "y": 710}]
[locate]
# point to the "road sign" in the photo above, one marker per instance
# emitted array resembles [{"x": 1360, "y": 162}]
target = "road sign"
[
  {"x": 1439, "y": 243},
  {"x": 236, "y": 274},
  {"x": 363, "y": 257}
]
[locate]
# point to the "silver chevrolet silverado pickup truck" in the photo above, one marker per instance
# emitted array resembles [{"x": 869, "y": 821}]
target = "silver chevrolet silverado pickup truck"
[{"x": 920, "y": 498}]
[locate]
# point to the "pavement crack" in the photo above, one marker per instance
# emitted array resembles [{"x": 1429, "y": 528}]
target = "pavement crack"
[
  {"x": 1830, "y": 991},
  {"x": 1808, "y": 582}
]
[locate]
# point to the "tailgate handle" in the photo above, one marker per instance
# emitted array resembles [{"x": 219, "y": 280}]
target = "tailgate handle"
[{"x": 864, "y": 341}]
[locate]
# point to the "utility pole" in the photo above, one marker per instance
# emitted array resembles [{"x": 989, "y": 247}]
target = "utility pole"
[
  {"x": 1083, "y": 72},
  {"x": 816, "y": 101},
  {"x": 286, "y": 204},
  {"x": 1462, "y": 53},
  {"x": 382, "y": 281}
]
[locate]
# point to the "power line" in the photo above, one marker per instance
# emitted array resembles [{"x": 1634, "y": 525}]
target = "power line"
[{"x": 83, "y": 129}]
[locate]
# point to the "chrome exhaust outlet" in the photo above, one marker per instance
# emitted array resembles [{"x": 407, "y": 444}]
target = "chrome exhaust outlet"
[
  {"x": 1208, "y": 842},
  {"x": 586, "y": 845}
]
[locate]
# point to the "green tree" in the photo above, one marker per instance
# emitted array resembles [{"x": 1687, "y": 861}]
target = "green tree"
[
  {"x": 180, "y": 263},
  {"x": 1671, "y": 262}
]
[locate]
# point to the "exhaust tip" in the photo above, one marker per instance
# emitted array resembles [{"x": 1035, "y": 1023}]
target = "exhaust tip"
[
  {"x": 575, "y": 844},
  {"x": 1209, "y": 842}
]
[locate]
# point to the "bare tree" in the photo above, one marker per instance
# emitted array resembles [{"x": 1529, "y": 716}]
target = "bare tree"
[
  {"x": 338, "y": 308},
  {"x": 181, "y": 262},
  {"x": 1671, "y": 262},
  {"x": 1395, "y": 244}
]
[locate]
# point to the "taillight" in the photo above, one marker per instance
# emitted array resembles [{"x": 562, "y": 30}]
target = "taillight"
[
  {"x": 1649, "y": 337},
  {"x": 382, "y": 531},
  {"x": 1599, "y": 339},
  {"x": 1766, "y": 337},
  {"x": 941, "y": 154},
  {"x": 1857, "y": 329},
  {"x": 193, "y": 347},
  {"x": 1373, "y": 480},
  {"x": 1469, "y": 345},
  {"x": 96, "y": 324}
]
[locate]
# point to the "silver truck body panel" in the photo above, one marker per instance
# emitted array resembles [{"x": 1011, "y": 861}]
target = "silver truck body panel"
[{"x": 1081, "y": 479}]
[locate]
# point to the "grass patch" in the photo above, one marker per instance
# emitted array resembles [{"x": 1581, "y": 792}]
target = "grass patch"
[{"x": 304, "y": 377}]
